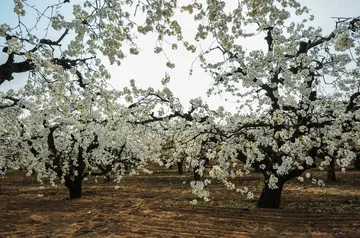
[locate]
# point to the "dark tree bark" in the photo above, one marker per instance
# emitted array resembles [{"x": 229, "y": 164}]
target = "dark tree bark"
[
  {"x": 74, "y": 182},
  {"x": 7, "y": 69},
  {"x": 330, "y": 175},
  {"x": 74, "y": 186},
  {"x": 197, "y": 176},
  {"x": 271, "y": 198},
  {"x": 180, "y": 166},
  {"x": 357, "y": 162},
  {"x": 10, "y": 66}
]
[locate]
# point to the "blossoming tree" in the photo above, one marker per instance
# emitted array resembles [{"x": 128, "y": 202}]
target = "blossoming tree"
[
  {"x": 286, "y": 122},
  {"x": 71, "y": 136},
  {"x": 66, "y": 123}
]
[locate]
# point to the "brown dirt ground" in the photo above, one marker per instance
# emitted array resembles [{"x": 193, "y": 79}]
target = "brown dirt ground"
[{"x": 158, "y": 206}]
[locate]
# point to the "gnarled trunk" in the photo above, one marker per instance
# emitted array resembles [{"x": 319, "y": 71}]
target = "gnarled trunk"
[
  {"x": 74, "y": 182},
  {"x": 331, "y": 176},
  {"x": 74, "y": 186},
  {"x": 270, "y": 198}
]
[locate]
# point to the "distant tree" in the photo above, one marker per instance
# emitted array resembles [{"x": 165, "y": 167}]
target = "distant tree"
[
  {"x": 357, "y": 162},
  {"x": 70, "y": 138}
]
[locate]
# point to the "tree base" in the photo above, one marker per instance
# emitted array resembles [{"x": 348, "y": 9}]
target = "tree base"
[
  {"x": 330, "y": 175},
  {"x": 180, "y": 167},
  {"x": 75, "y": 193},
  {"x": 357, "y": 163},
  {"x": 197, "y": 176},
  {"x": 75, "y": 188},
  {"x": 270, "y": 198}
]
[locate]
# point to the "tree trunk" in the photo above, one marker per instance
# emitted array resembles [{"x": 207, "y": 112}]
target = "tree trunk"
[
  {"x": 180, "y": 166},
  {"x": 271, "y": 198},
  {"x": 357, "y": 162},
  {"x": 75, "y": 187},
  {"x": 331, "y": 176},
  {"x": 197, "y": 176},
  {"x": 107, "y": 178}
]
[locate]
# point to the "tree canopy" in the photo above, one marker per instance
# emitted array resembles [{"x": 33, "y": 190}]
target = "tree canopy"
[{"x": 297, "y": 93}]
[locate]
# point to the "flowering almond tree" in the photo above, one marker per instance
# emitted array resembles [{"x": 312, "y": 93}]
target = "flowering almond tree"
[
  {"x": 71, "y": 137},
  {"x": 286, "y": 122},
  {"x": 68, "y": 133},
  {"x": 66, "y": 122}
]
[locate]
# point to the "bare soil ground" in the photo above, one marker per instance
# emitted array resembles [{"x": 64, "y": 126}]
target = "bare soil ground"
[{"x": 158, "y": 206}]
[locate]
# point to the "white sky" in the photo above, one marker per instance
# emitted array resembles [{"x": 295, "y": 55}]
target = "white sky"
[{"x": 148, "y": 69}]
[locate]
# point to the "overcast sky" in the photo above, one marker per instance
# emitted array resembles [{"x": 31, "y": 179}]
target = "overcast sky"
[{"x": 148, "y": 69}]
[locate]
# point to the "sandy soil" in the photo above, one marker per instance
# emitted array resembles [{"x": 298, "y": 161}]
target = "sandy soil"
[{"x": 158, "y": 206}]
